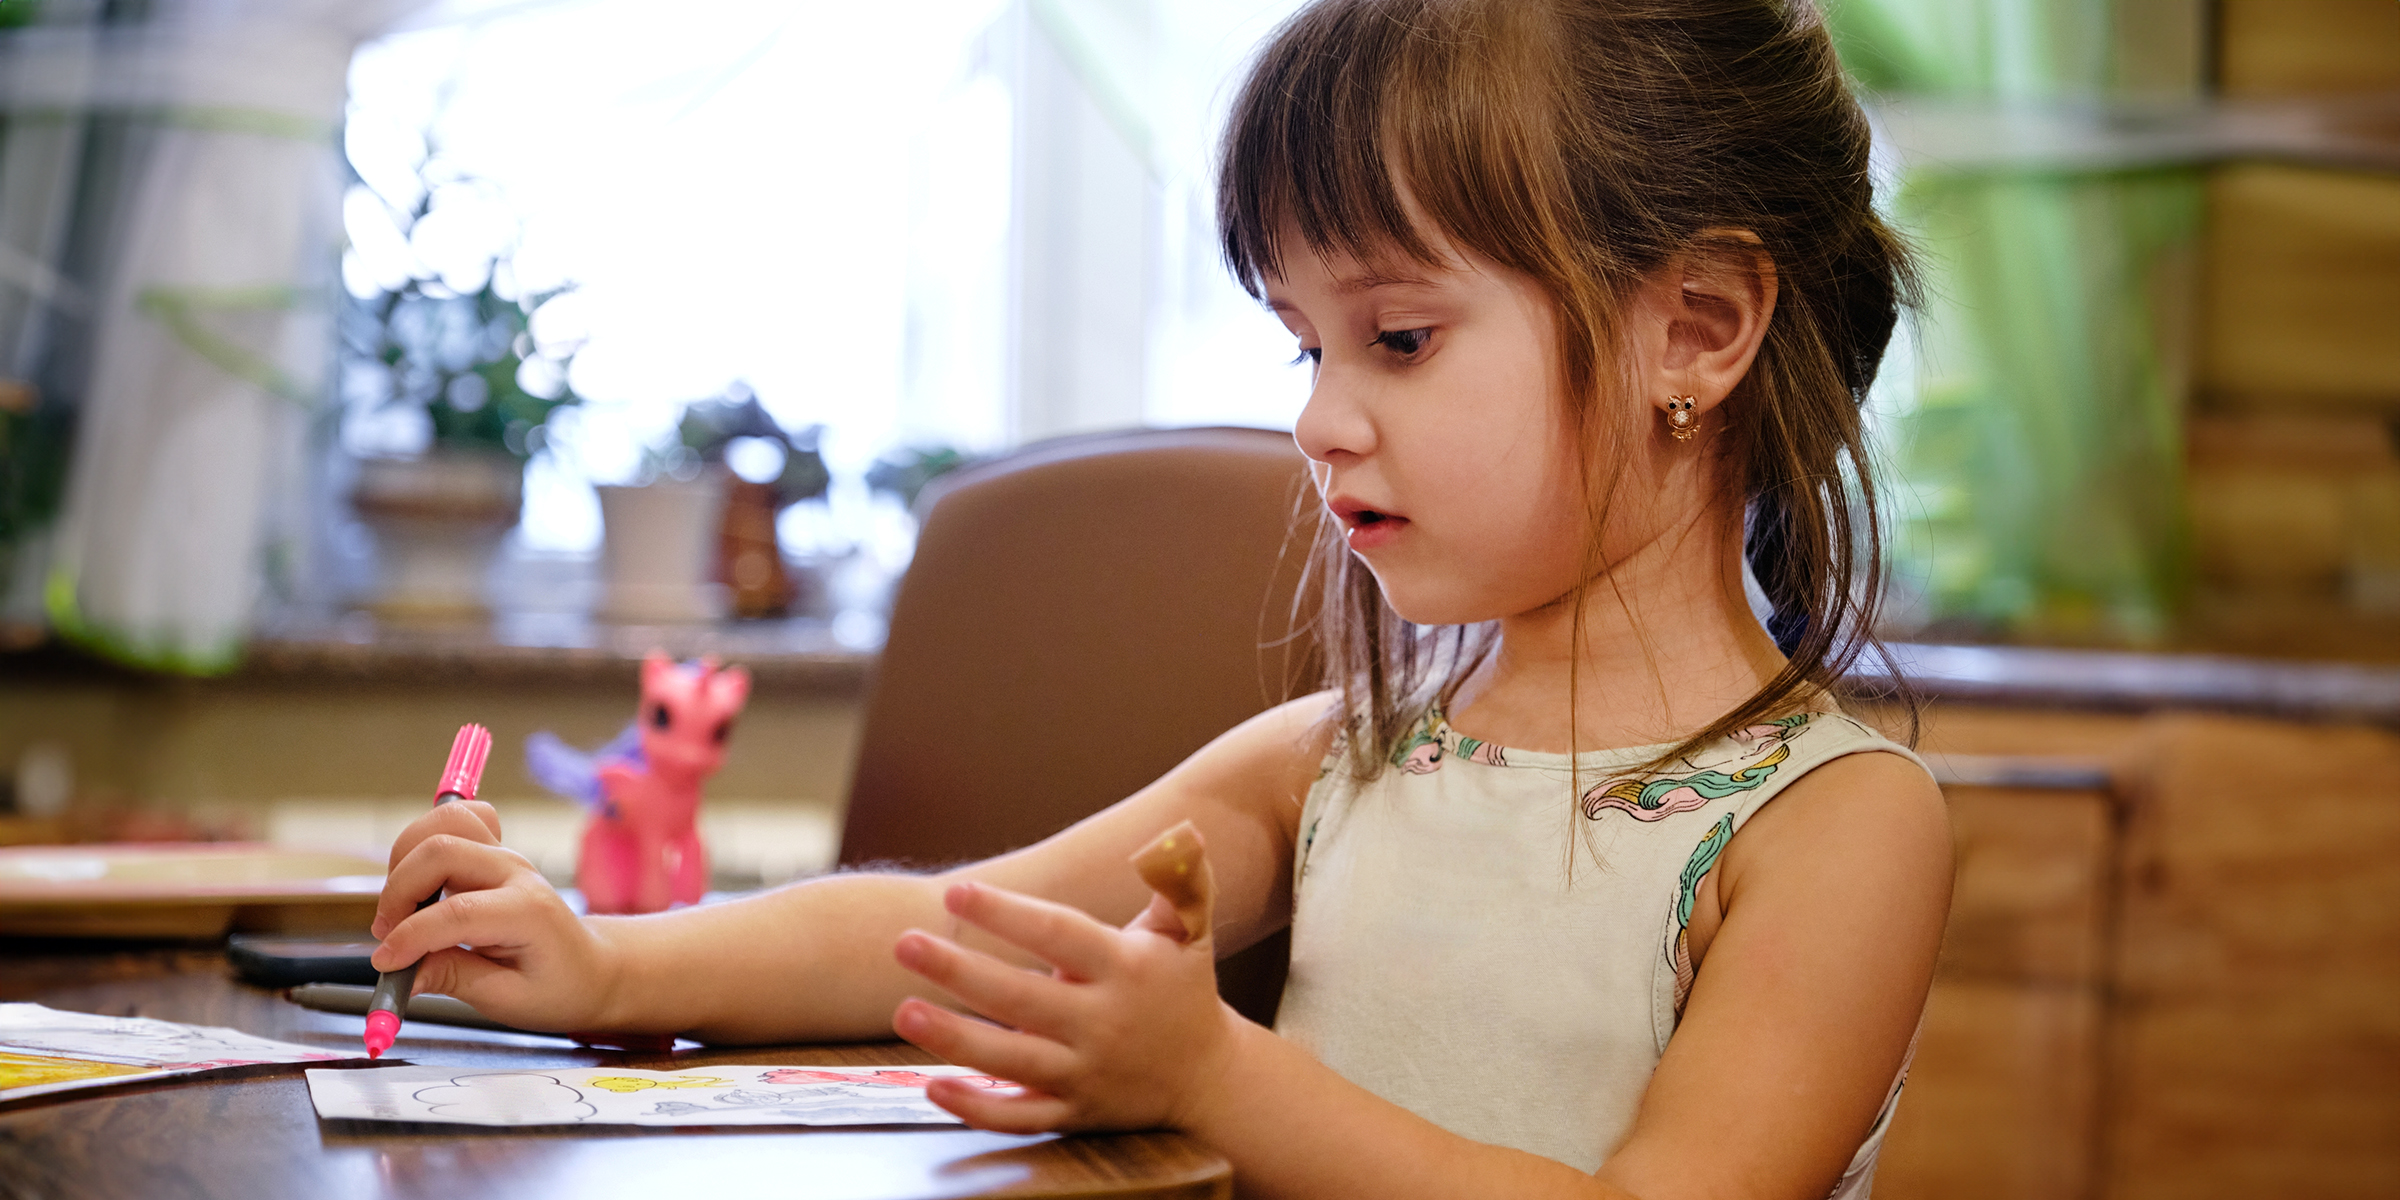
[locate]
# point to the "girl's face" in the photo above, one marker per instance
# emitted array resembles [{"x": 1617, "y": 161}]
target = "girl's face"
[{"x": 1438, "y": 431}]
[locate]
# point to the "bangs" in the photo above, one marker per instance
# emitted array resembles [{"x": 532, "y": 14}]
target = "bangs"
[
  {"x": 1354, "y": 105},
  {"x": 1583, "y": 144}
]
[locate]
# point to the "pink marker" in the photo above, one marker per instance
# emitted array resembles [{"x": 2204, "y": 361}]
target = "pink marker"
[{"x": 459, "y": 780}]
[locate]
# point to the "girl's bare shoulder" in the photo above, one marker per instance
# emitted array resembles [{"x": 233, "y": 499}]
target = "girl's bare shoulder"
[
  {"x": 1873, "y": 812},
  {"x": 1273, "y": 757},
  {"x": 1244, "y": 790}
]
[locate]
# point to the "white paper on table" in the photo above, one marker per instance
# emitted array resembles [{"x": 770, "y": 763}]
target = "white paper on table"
[
  {"x": 50, "y": 1050},
  {"x": 712, "y": 1095}
]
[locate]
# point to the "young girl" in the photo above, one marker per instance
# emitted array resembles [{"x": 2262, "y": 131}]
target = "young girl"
[{"x": 1592, "y": 289}]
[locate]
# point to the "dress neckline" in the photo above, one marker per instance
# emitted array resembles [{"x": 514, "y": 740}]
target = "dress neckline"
[{"x": 1434, "y": 730}]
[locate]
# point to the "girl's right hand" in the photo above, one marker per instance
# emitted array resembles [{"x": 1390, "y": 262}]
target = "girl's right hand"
[{"x": 502, "y": 940}]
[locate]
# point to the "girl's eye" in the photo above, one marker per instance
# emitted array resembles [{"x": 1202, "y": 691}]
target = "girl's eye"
[
  {"x": 1403, "y": 342},
  {"x": 1312, "y": 355}
]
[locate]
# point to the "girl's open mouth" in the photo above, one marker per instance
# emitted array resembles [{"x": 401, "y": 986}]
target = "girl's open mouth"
[{"x": 1368, "y": 528}]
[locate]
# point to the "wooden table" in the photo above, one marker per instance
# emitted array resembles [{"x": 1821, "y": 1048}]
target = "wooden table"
[{"x": 256, "y": 1136}]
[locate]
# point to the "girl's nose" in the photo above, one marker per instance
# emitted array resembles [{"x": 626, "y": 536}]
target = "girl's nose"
[{"x": 1333, "y": 424}]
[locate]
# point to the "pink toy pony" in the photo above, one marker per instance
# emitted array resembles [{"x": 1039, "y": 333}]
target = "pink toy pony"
[{"x": 641, "y": 850}]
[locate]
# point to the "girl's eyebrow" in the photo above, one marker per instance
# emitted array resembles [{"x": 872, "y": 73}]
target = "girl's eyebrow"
[
  {"x": 1352, "y": 285},
  {"x": 1372, "y": 280}
]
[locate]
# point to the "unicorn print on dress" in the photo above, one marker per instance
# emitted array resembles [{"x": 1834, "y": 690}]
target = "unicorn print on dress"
[
  {"x": 1687, "y": 890},
  {"x": 1651, "y": 798},
  {"x": 1433, "y": 739}
]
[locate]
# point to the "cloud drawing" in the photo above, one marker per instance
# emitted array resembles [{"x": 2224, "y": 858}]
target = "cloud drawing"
[{"x": 506, "y": 1098}]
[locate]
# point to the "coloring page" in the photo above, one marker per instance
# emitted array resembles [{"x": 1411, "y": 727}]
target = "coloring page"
[
  {"x": 47, "y": 1050},
  {"x": 717, "y": 1095}
]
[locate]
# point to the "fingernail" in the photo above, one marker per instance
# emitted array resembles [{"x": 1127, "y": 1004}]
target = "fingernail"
[
  {"x": 910, "y": 1020},
  {"x": 958, "y": 896},
  {"x": 910, "y": 949}
]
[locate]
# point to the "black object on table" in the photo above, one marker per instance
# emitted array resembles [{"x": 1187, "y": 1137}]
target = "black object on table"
[{"x": 282, "y": 961}]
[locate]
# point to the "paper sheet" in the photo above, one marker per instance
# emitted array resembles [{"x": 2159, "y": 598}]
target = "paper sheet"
[
  {"x": 714, "y": 1095},
  {"x": 49, "y": 1050}
]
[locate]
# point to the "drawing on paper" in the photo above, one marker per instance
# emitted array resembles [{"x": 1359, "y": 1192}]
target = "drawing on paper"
[
  {"x": 876, "y": 1077},
  {"x": 27, "y": 1070},
  {"x": 626, "y": 1083},
  {"x": 47, "y": 1050},
  {"x": 714, "y": 1095},
  {"x": 502, "y": 1098},
  {"x": 800, "y": 1110}
]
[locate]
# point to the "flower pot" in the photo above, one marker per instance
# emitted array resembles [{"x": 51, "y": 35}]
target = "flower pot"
[
  {"x": 659, "y": 556},
  {"x": 438, "y": 522},
  {"x": 749, "y": 559}
]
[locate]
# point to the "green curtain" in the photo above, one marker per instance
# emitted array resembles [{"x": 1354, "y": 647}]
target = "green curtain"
[{"x": 2033, "y": 423}]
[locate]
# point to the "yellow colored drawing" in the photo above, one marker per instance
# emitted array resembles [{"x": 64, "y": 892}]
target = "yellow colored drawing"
[
  {"x": 627, "y": 1083},
  {"x": 32, "y": 1070}
]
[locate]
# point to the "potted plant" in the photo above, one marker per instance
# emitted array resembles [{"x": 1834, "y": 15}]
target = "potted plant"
[
  {"x": 904, "y": 471},
  {"x": 696, "y": 540},
  {"x": 466, "y": 361}
]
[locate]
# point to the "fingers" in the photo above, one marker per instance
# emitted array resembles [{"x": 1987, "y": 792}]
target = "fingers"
[
  {"x": 1123, "y": 1033},
  {"x": 999, "y": 1111},
  {"x": 462, "y": 973},
  {"x": 1176, "y": 867},
  {"x": 1008, "y": 994},
  {"x": 473, "y": 820},
  {"x": 499, "y": 990},
  {"x": 487, "y": 917},
  {"x": 1160, "y": 917},
  {"x": 1025, "y": 1057},
  {"x": 439, "y": 862},
  {"x": 1066, "y": 938}
]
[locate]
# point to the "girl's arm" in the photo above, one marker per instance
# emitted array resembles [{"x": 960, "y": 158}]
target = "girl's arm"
[
  {"x": 1811, "y": 991},
  {"x": 1798, "y": 1022},
  {"x": 814, "y": 961}
]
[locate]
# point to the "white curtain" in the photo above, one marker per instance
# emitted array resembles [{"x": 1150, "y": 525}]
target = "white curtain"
[
  {"x": 1161, "y": 74},
  {"x": 213, "y": 332}
]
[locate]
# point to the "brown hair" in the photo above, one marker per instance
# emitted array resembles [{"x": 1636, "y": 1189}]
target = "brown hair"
[{"x": 1585, "y": 143}]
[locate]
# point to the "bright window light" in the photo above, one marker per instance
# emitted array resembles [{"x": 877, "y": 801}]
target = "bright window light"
[{"x": 810, "y": 198}]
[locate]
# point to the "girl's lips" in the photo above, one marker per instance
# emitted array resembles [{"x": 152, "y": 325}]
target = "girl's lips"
[
  {"x": 1367, "y": 535},
  {"x": 1367, "y": 528}
]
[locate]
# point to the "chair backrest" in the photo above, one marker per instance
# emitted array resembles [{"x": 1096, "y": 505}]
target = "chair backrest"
[{"x": 1081, "y": 616}]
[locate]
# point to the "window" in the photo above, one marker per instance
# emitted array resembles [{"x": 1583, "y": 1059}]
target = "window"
[{"x": 968, "y": 222}]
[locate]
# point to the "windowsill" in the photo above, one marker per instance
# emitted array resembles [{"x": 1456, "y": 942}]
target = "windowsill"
[
  {"x": 802, "y": 656},
  {"x": 799, "y": 654}
]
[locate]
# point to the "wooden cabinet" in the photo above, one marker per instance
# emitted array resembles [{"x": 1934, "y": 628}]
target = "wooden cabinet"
[
  {"x": 2002, "y": 1100},
  {"x": 2183, "y": 981},
  {"x": 2255, "y": 1034}
]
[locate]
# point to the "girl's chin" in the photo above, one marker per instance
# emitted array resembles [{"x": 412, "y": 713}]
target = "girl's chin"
[{"x": 1423, "y": 602}]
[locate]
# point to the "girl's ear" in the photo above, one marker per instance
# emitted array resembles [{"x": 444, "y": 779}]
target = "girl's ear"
[{"x": 1706, "y": 313}]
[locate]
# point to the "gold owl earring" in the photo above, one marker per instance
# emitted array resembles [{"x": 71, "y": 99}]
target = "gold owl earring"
[{"x": 1681, "y": 420}]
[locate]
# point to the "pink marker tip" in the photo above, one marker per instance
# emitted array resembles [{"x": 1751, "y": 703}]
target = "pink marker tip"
[{"x": 382, "y": 1029}]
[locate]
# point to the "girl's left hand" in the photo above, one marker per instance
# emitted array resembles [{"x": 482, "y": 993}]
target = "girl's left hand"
[{"x": 1124, "y": 1032}]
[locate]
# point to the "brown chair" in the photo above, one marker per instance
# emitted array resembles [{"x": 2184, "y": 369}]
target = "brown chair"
[{"x": 1081, "y": 616}]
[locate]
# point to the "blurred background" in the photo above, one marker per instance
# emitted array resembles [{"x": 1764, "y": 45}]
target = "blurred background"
[{"x": 370, "y": 367}]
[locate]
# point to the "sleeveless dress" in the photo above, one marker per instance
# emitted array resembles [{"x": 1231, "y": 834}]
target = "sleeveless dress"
[{"x": 1473, "y": 947}]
